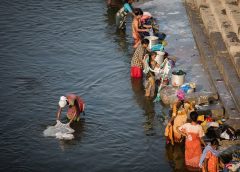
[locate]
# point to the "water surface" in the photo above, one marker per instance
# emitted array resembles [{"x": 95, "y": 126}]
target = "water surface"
[{"x": 50, "y": 48}]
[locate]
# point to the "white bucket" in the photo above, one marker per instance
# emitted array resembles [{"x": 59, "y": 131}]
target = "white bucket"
[
  {"x": 178, "y": 80},
  {"x": 153, "y": 40},
  {"x": 159, "y": 57}
]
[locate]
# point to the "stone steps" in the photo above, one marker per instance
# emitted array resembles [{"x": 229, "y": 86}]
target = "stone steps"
[
  {"x": 227, "y": 18},
  {"x": 221, "y": 56},
  {"x": 215, "y": 57},
  {"x": 225, "y": 26},
  {"x": 225, "y": 15},
  {"x": 233, "y": 13}
]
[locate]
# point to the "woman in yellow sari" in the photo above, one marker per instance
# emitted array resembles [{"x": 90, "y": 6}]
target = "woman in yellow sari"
[{"x": 180, "y": 109}]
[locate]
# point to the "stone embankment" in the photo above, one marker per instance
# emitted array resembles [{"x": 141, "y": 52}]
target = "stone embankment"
[{"x": 216, "y": 30}]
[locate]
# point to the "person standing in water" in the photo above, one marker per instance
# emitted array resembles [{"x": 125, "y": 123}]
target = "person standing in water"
[
  {"x": 137, "y": 59},
  {"x": 121, "y": 15},
  {"x": 193, "y": 132},
  {"x": 136, "y": 24},
  {"x": 180, "y": 110},
  {"x": 76, "y": 106}
]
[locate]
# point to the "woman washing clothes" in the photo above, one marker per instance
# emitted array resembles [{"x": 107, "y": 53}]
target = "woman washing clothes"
[
  {"x": 121, "y": 15},
  {"x": 147, "y": 22},
  {"x": 137, "y": 61},
  {"x": 136, "y": 27},
  {"x": 76, "y": 106},
  {"x": 180, "y": 111}
]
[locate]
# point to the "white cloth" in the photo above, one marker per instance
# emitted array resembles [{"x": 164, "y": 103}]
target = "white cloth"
[{"x": 60, "y": 131}]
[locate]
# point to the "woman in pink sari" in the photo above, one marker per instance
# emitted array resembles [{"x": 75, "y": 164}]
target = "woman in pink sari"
[{"x": 193, "y": 133}]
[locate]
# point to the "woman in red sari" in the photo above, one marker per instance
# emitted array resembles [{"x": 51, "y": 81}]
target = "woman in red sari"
[
  {"x": 193, "y": 133},
  {"x": 76, "y": 106}
]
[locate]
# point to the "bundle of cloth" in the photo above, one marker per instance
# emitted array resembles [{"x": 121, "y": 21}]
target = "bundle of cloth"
[{"x": 60, "y": 131}]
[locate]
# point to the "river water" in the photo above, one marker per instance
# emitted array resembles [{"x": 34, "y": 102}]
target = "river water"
[{"x": 49, "y": 48}]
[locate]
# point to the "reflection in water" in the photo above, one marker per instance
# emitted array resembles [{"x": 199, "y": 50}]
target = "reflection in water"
[
  {"x": 119, "y": 36},
  {"x": 111, "y": 12},
  {"x": 175, "y": 156},
  {"x": 144, "y": 103},
  {"x": 79, "y": 129},
  {"x": 122, "y": 41}
]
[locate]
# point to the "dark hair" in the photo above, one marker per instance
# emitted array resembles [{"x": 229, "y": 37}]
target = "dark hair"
[
  {"x": 153, "y": 53},
  {"x": 165, "y": 55},
  {"x": 180, "y": 104},
  {"x": 126, "y": 1},
  {"x": 145, "y": 41},
  {"x": 194, "y": 116},
  {"x": 138, "y": 11},
  {"x": 214, "y": 142}
]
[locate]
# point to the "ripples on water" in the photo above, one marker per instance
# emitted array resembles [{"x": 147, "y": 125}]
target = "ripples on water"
[{"x": 49, "y": 48}]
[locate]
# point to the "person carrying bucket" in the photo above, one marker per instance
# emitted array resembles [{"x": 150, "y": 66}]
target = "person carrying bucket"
[{"x": 76, "y": 106}]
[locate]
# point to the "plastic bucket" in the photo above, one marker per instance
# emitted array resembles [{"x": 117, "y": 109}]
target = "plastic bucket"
[
  {"x": 153, "y": 40},
  {"x": 178, "y": 80},
  {"x": 160, "y": 57}
]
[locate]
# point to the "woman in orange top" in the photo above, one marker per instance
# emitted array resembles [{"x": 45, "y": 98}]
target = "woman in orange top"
[
  {"x": 211, "y": 163},
  {"x": 193, "y": 133},
  {"x": 135, "y": 27}
]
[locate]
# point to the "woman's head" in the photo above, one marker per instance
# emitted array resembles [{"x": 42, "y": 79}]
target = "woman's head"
[
  {"x": 129, "y": 1},
  {"x": 214, "y": 143},
  {"x": 152, "y": 63},
  {"x": 138, "y": 12},
  {"x": 153, "y": 55},
  {"x": 62, "y": 102},
  {"x": 194, "y": 116},
  {"x": 145, "y": 43}
]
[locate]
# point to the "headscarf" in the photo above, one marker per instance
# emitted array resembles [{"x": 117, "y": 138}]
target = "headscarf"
[{"x": 180, "y": 95}]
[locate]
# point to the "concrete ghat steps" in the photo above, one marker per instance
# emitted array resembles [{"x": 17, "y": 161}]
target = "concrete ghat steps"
[
  {"x": 214, "y": 62},
  {"x": 227, "y": 19},
  {"x": 221, "y": 55},
  {"x": 225, "y": 26},
  {"x": 233, "y": 13}
]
